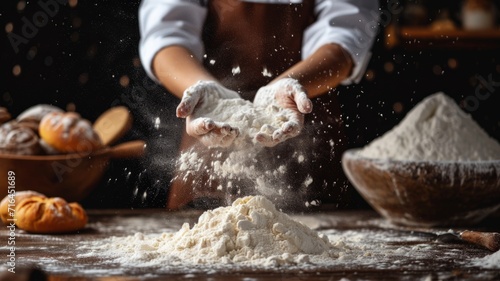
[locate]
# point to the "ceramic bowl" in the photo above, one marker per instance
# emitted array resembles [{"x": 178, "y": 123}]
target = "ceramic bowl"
[{"x": 426, "y": 194}]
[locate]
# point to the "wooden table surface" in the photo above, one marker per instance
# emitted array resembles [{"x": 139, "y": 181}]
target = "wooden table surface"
[{"x": 396, "y": 252}]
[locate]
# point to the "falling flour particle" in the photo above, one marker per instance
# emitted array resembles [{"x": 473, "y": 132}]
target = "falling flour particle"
[
  {"x": 250, "y": 232},
  {"x": 226, "y": 168},
  {"x": 236, "y": 70},
  {"x": 435, "y": 130}
]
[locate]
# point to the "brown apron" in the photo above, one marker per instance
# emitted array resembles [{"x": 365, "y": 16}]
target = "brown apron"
[{"x": 267, "y": 38}]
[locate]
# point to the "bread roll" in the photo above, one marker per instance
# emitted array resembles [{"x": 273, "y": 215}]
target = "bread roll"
[
  {"x": 18, "y": 139},
  {"x": 68, "y": 132},
  {"x": 14, "y": 199},
  {"x": 39, "y": 214},
  {"x": 37, "y": 112},
  {"x": 4, "y": 115},
  {"x": 32, "y": 116},
  {"x": 47, "y": 149}
]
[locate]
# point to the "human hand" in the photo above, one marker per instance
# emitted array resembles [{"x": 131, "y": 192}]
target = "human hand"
[
  {"x": 197, "y": 106},
  {"x": 289, "y": 97}
]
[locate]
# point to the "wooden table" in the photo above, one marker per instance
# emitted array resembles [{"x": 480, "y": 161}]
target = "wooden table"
[{"x": 398, "y": 253}]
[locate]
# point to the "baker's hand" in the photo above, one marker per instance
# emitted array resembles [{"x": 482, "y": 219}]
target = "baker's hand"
[
  {"x": 286, "y": 94},
  {"x": 197, "y": 104}
]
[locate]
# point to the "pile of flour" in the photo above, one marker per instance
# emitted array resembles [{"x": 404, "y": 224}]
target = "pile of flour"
[
  {"x": 252, "y": 236},
  {"x": 435, "y": 130},
  {"x": 250, "y": 232},
  {"x": 489, "y": 261}
]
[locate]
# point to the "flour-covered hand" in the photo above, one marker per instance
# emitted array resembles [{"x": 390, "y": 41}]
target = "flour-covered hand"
[
  {"x": 289, "y": 97},
  {"x": 197, "y": 104}
]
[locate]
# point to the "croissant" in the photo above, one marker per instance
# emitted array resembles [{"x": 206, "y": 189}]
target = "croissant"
[
  {"x": 39, "y": 214},
  {"x": 11, "y": 200}
]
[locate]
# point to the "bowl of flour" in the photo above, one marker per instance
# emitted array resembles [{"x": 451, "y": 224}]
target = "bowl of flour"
[{"x": 437, "y": 167}]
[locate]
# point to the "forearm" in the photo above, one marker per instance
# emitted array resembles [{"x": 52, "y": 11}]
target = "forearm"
[
  {"x": 321, "y": 71},
  {"x": 177, "y": 69}
]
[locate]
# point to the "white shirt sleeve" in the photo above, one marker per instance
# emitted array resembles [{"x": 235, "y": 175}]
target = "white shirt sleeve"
[
  {"x": 165, "y": 23},
  {"x": 350, "y": 23}
]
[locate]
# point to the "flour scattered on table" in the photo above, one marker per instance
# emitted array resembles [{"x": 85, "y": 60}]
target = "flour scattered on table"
[
  {"x": 489, "y": 261},
  {"x": 250, "y": 232},
  {"x": 435, "y": 130},
  {"x": 252, "y": 236}
]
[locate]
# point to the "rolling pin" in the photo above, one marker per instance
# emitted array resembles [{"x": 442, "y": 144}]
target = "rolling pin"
[{"x": 488, "y": 240}]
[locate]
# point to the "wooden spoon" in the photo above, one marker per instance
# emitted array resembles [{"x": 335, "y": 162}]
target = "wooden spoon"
[
  {"x": 130, "y": 149},
  {"x": 113, "y": 124}
]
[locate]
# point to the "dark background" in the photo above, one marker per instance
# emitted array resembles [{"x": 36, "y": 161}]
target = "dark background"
[{"x": 85, "y": 56}]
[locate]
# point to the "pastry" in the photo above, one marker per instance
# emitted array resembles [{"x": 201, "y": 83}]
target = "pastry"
[
  {"x": 32, "y": 116},
  {"x": 39, "y": 214},
  {"x": 13, "y": 200},
  {"x": 47, "y": 149},
  {"x": 4, "y": 115},
  {"x": 37, "y": 112},
  {"x": 68, "y": 132},
  {"x": 33, "y": 125},
  {"x": 18, "y": 139}
]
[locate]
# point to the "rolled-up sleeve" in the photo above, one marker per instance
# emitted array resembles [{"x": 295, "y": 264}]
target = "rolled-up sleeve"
[
  {"x": 164, "y": 23},
  {"x": 353, "y": 24}
]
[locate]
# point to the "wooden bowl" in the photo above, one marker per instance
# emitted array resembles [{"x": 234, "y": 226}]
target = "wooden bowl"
[
  {"x": 71, "y": 176},
  {"x": 425, "y": 194}
]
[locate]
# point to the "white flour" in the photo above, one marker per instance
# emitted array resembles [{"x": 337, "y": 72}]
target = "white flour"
[
  {"x": 251, "y": 236},
  {"x": 236, "y": 172},
  {"x": 489, "y": 261},
  {"x": 435, "y": 130},
  {"x": 250, "y": 232},
  {"x": 239, "y": 167},
  {"x": 249, "y": 119}
]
